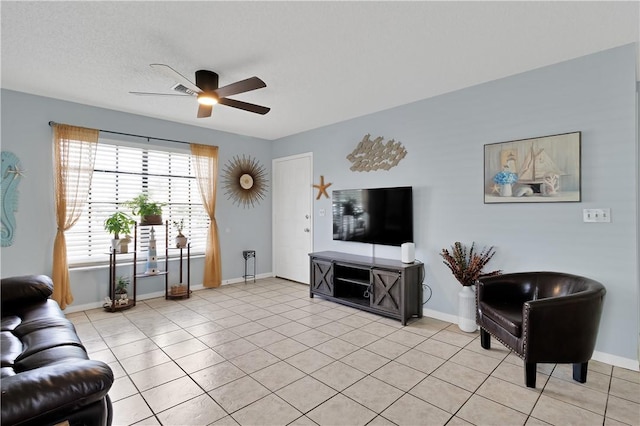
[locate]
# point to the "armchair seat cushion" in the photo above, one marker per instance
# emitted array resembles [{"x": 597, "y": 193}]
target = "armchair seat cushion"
[{"x": 507, "y": 316}]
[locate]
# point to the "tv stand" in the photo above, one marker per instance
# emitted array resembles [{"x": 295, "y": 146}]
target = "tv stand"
[{"x": 383, "y": 286}]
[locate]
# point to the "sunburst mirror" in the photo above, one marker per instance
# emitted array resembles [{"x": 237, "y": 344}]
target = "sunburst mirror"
[{"x": 245, "y": 181}]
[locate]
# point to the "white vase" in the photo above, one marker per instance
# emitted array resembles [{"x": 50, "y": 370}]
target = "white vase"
[
  {"x": 506, "y": 190},
  {"x": 467, "y": 309},
  {"x": 181, "y": 241}
]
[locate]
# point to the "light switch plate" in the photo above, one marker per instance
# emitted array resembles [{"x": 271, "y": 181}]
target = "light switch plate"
[{"x": 596, "y": 215}]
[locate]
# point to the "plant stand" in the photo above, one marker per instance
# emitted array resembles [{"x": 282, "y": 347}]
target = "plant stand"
[
  {"x": 116, "y": 304},
  {"x": 181, "y": 290},
  {"x": 249, "y": 254}
]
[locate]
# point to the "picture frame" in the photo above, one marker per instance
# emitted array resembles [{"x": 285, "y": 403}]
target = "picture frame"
[{"x": 545, "y": 169}]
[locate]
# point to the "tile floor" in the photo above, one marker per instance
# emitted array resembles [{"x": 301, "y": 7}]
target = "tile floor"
[{"x": 265, "y": 353}]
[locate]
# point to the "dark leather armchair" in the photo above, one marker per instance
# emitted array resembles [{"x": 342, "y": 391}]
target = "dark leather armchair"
[{"x": 544, "y": 317}]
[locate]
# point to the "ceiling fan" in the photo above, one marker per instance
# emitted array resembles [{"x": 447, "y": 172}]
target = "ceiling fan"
[{"x": 207, "y": 91}]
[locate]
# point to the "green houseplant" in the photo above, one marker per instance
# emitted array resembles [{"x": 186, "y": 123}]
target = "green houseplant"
[
  {"x": 116, "y": 224},
  {"x": 121, "y": 285},
  {"x": 121, "y": 289},
  {"x": 150, "y": 212}
]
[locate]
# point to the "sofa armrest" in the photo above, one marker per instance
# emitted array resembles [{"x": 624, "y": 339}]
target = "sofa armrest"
[
  {"x": 25, "y": 289},
  {"x": 42, "y": 395}
]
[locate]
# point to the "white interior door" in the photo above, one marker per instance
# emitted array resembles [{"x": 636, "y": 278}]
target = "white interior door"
[{"x": 292, "y": 221}]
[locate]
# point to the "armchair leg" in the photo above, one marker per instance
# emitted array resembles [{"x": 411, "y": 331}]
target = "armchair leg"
[
  {"x": 530, "y": 374},
  {"x": 485, "y": 339},
  {"x": 580, "y": 372}
]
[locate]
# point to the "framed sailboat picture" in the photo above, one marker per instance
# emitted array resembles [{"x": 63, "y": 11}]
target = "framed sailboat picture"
[{"x": 536, "y": 170}]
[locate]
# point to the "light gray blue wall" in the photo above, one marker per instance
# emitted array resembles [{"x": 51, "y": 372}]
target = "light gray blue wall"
[
  {"x": 444, "y": 137},
  {"x": 25, "y": 132}
]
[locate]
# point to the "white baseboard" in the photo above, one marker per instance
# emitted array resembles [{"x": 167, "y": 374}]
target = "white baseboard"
[
  {"x": 440, "y": 316},
  {"x": 79, "y": 308},
  {"x": 95, "y": 305},
  {"x": 241, "y": 280},
  {"x": 618, "y": 361}
]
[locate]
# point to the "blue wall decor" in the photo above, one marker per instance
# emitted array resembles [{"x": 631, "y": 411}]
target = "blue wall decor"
[{"x": 11, "y": 174}]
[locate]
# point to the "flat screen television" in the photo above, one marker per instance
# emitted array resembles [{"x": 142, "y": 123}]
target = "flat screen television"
[{"x": 376, "y": 216}]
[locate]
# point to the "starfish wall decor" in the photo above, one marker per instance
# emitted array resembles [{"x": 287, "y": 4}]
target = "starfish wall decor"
[{"x": 322, "y": 188}]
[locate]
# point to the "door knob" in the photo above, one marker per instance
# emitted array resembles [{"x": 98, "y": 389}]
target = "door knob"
[
  {"x": 306, "y": 216},
  {"x": 306, "y": 229}
]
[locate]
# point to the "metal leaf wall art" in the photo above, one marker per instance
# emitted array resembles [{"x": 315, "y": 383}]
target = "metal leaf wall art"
[
  {"x": 245, "y": 181},
  {"x": 371, "y": 155}
]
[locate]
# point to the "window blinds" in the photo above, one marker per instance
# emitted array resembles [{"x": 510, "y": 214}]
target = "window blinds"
[{"x": 121, "y": 173}]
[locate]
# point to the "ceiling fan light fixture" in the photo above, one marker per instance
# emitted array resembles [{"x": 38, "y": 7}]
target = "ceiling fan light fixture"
[
  {"x": 209, "y": 93},
  {"x": 207, "y": 99}
]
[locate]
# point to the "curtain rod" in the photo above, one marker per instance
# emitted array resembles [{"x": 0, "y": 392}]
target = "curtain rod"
[{"x": 51, "y": 123}]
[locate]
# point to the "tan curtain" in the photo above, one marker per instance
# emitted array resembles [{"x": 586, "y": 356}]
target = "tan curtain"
[
  {"x": 206, "y": 161},
  {"x": 74, "y": 153}
]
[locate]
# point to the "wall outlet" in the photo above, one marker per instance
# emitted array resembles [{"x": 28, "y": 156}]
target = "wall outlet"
[{"x": 596, "y": 215}]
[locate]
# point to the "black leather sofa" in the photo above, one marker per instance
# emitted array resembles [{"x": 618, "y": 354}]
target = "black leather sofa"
[
  {"x": 47, "y": 377},
  {"x": 543, "y": 317}
]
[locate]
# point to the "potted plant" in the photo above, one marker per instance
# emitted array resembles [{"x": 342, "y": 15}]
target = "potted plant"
[
  {"x": 181, "y": 240},
  {"x": 466, "y": 266},
  {"x": 121, "y": 287},
  {"x": 150, "y": 212},
  {"x": 116, "y": 224}
]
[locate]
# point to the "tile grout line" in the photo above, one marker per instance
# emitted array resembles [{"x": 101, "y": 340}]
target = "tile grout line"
[{"x": 310, "y": 312}]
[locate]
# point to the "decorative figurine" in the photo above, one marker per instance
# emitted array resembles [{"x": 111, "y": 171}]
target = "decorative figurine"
[{"x": 152, "y": 258}]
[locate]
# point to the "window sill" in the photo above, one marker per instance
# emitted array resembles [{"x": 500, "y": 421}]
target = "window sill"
[{"x": 104, "y": 265}]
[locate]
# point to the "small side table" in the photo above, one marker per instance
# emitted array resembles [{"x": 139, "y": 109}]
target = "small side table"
[{"x": 249, "y": 254}]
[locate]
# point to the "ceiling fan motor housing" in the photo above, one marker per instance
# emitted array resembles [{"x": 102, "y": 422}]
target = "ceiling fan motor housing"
[{"x": 206, "y": 80}]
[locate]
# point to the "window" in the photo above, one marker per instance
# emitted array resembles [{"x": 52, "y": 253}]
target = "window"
[{"x": 123, "y": 171}]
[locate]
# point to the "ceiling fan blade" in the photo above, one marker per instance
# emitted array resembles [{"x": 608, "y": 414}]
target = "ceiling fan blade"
[
  {"x": 175, "y": 75},
  {"x": 157, "y": 94},
  {"x": 242, "y": 86},
  {"x": 204, "y": 111},
  {"x": 258, "y": 109}
]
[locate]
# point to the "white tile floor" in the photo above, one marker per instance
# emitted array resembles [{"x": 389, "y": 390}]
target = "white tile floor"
[{"x": 265, "y": 353}]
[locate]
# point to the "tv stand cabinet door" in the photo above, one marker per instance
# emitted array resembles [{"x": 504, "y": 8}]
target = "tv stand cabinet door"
[
  {"x": 322, "y": 277},
  {"x": 387, "y": 291}
]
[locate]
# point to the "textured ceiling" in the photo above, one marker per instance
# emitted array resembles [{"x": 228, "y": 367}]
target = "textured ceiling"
[{"x": 323, "y": 62}]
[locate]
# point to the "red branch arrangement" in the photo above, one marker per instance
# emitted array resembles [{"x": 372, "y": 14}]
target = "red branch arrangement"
[{"x": 467, "y": 266}]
